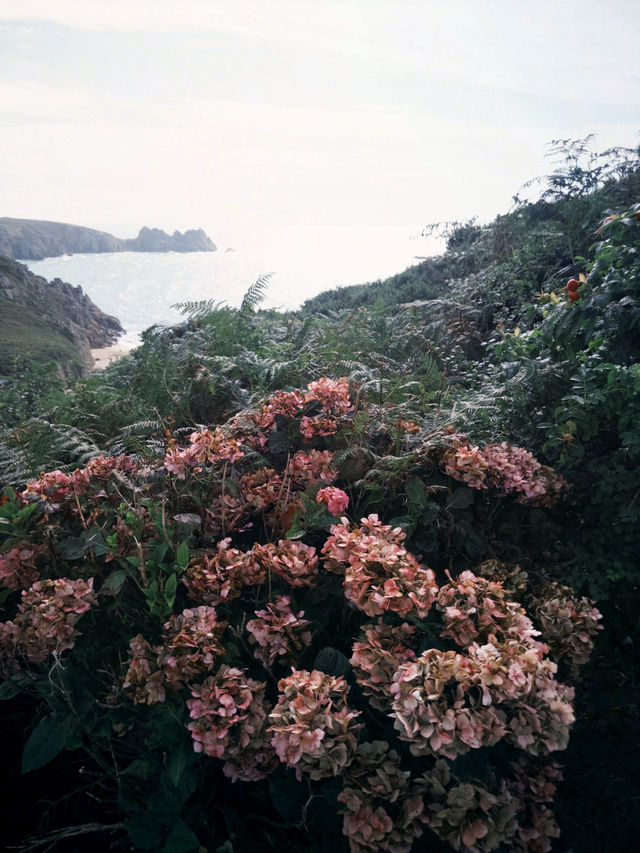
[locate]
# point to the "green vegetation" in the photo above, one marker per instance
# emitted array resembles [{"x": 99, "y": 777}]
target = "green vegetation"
[{"x": 524, "y": 334}]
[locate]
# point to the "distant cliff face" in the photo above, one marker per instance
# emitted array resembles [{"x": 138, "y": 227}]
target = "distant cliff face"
[
  {"x": 35, "y": 239},
  {"x": 49, "y": 321}
]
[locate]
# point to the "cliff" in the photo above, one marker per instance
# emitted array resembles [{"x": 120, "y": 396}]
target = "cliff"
[
  {"x": 35, "y": 239},
  {"x": 49, "y": 321}
]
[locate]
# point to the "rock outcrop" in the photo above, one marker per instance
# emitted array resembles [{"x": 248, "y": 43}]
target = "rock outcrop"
[
  {"x": 35, "y": 239},
  {"x": 49, "y": 321}
]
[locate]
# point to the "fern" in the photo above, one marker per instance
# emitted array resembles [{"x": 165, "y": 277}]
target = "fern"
[{"x": 254, "y": 296}]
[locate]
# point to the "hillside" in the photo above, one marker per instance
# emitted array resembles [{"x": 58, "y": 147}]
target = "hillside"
[
  {"x": 49, "y": 321},
  {"x": 34, "y": 239},
  {"x": 363, "y": 576}
]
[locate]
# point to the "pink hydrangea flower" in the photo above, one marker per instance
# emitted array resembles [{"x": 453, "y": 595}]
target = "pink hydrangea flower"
[
  {"x": 313, "y": 729},
  {"x": 294, "y": 562},
  {"x": 335, "y": 499},
  {"x": 278, "y": 633}
]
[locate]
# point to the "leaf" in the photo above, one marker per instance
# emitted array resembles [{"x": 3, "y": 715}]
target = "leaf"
[
  {"x": 288, "y": 796},
  {"x": 176, "y": 763},
  {"x": 460, "y": 498},
  {"x": 182, "y": 554},
  {"x": 415, "y": 491},
  {"x": 191, "y": 519},
  {"x": 114, "y": 583},
  {"x": 181, "y": 839},
  {"x": 331, "y": 661},
  {"x": 278, "y": 442},
  {"x": 145, "y": 832},
  {"x": 170, "y": 588},
  {"x": 14, "y": 686},
  {"x": 48, "y": 739}
]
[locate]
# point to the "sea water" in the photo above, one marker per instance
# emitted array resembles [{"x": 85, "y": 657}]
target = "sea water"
[{"x": 141, "y": 289}]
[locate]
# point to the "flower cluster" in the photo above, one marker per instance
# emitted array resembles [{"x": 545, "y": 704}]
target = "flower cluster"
[
  {"x": 311, "y": 466},
  {"x": 229, "y": 717},
  {"x": 47, "y": 617},
  {"x": 294, "y": 562},
  {"x": 190, "y": 648},
  {"x": 475, "y": 607},
  {"x": 219, "y": 576},
  {"x": 313, "y": 729},
  {"x": 278, "y": 633},
  {"x": 333, "y": 395},
  {"x": 568, "y": 622},
  {"x": 18, "y": 566},
  {"x": 379, "y": 573},
  {"x": 473, "y": 819},
  {"x": 539, "y": 722},
  {"x": 377, "y": 654},
  {"x": 434, "y": 710},
  {"x": 384, "y": 807},
  {"x": 56, "y": 486},
  {"x": 335, "y": 499},
  {"x": 508, "y": 469},
  {"x": 206, "y": 447}
]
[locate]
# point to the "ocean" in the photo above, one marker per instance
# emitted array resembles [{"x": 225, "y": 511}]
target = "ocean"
[{"x": 140, "y": 289}]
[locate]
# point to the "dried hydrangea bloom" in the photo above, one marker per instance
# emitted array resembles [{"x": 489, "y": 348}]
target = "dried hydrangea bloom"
[
  {"x": 229, "y": 716},
  {"x": 9, "y": 664},
  {"x": 335, "y": 499},
  {"x": 286, "y": 404},
  {"x": 217, "y": 577},
  {"x": 474, "y": 607},
  {"x": 514, "y": 580},
  {"x": 261, "y": 489},
  {"x": 384, "y": 807},
  {"x": 311, "y": 466},
  {"x": 48, "y": 614},
  {"x": 534, "y": 789},
  {"x": 191, "y": 644},
  {"x": 225, "y": 514},
  {"x": 206, "y": 447},
  {"x": 294, "y": 562},
  {"x": 508, "y": 469},
  {"x": 505, "y": 671},
  {"x": 377, "y": 654},
  {"x": 144, "y": 680},
  {"x": 317, "y": 426},
  {"x": 433, "y": 709},
  {"x": 540, "y": 722},
  {"x": 18, "y": 566},
  {"x": 278, "y": 633},
  {"x": 103, "y": 466},
  {"x": 313, "y": 730},
  {"x": 379, "y": 573},
  {"x": 333, "y": 394},
  {"x": 56, "y": 486},
  {"x": 468, "y": 817},
  {"x": 568, "y": 622}
]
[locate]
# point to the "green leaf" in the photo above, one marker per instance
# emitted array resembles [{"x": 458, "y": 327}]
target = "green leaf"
[
  {"x": 48, "y": 739},
  {"x": 170, "y": 588},
  {"x": 461, "y": 498},
  {"x": 278, "y": 442},
  {"x": 331, "y": 661},
  {"x": 176, "y": 763},
  {"x": 414, "y": 490},
  {"x": 115, "y": 582},
  {"x": 14, "y": 686},
  {"x": 182, "y": 554},
  {"x": 181, "y": 839},
  {"x": 145, "y": 832}
]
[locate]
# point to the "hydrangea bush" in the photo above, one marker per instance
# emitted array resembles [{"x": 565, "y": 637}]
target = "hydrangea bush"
[{"x": 234, "y": 630}]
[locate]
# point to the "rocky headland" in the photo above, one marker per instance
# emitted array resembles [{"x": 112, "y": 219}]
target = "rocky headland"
[
  {"x": 49, "y": 321},
  {"x": 35, "y": 239}
]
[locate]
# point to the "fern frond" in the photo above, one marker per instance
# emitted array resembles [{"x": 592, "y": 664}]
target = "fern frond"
[{"x": 254, "y": 296}]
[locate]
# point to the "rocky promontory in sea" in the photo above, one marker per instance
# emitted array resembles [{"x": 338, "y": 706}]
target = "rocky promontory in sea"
[
  {"x": 35, "y": 239},
  {"x": 49, "y": 321}
]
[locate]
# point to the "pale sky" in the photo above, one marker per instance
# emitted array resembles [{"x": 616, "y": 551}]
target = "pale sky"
[{"x": 227, "y": 115}]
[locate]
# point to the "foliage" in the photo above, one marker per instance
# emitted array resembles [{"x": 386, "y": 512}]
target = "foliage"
[{"x": 204, "y": 627}]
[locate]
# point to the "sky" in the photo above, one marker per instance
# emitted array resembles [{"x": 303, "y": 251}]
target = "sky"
[{"x": 300, "y": 113}]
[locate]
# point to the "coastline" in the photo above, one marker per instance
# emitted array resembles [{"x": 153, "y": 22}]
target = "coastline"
[{"x": 103, "y": 356}]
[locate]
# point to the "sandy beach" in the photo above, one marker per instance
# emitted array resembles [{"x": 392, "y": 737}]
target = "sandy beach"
[{"x": 105, "y": 355}]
